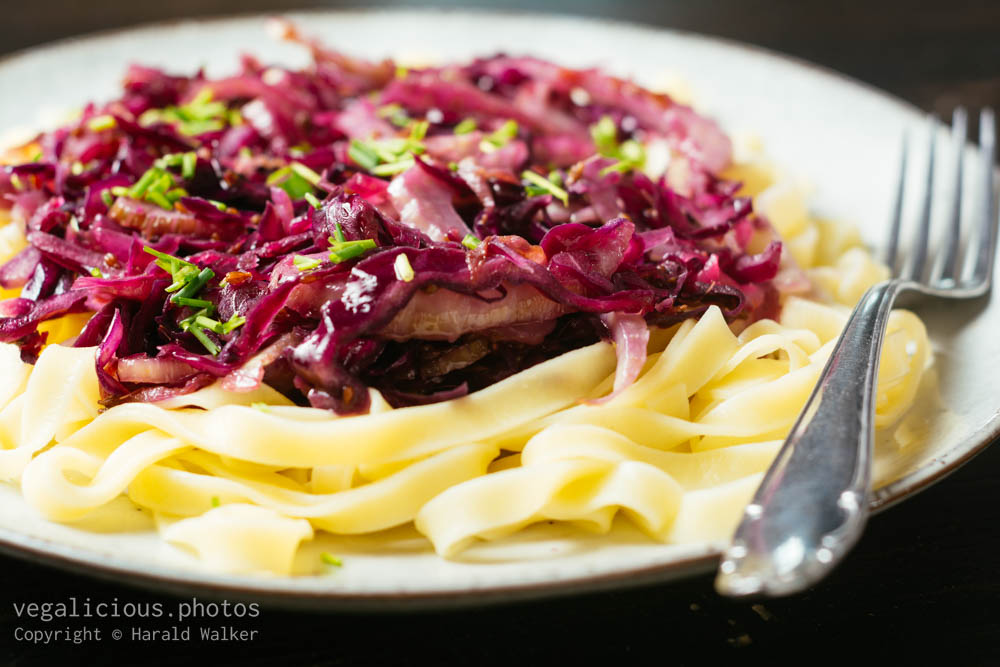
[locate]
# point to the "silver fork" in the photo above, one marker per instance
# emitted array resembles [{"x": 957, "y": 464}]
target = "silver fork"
[{"x": 812, "y": 505}]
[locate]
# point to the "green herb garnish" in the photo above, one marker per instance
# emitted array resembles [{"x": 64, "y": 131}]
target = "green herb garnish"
[
  {"x": 198, "y": 116},
  {"x": 194, "y": 285},
  {"x": 189, "y": 164},
  {"x": 393, "y": 168},
  {"x": 305, "y": 264},
  {"x": 203, "y": 338},
  {"x": 363, "y": 155},
  {"x": 313, "y": 200},
  {"x": 156, "y": 185},
  {"x": 541, "y": 185},
  {"x": 387, "y": 157},
  {"x": 394, "y": 113},
  {"x": 305, "y": 172},
  {"x": 499, "y": 137},
  {"x": 470, "y": 242},
  {"x": 329, "y": 559},
  {"x": 341, "y": 251},
  {"x": 99, "y": 123},
  {"x": 466, "y": 126},
  {"x": 630, "y": 153},
  {"x": 193, "y": 303},
  {"x": 292, "y": 180}
]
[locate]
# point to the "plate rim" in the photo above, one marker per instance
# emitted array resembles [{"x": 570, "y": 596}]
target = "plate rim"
[{"x": 268, "y": 591}]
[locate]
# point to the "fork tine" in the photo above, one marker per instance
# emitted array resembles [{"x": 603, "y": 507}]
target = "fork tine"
[
  {"x": 950, "y": 253},
  {"x": 916, "y": 269},
  {"x": 983, "y": 271},
  {"x": 892, "y": 247}
]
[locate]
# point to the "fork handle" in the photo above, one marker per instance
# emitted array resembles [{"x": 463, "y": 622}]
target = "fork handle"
[{"x": 813, "y": 503}]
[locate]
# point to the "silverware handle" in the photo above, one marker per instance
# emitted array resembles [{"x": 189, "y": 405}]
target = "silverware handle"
[{"x": 813, "y": 503}]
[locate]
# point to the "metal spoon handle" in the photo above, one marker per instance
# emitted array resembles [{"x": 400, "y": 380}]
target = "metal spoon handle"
[{"x": 813, "y": 503}]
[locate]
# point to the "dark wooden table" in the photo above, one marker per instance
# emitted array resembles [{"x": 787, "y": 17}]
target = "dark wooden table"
[{"x": 923, "y": 583}]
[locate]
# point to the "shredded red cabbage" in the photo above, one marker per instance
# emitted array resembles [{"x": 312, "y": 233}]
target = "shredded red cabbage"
[{"x": 425, "y": 231}]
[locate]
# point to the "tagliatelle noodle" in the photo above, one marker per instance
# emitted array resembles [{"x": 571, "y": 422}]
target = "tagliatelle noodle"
[{"x": 242, "y": 486}]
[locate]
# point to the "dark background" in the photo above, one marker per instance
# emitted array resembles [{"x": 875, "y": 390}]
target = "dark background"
[{"x": 922, "y": 586}]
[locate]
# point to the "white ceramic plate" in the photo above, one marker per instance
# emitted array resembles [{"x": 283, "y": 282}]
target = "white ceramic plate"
[{"x": 841, "y": 137}]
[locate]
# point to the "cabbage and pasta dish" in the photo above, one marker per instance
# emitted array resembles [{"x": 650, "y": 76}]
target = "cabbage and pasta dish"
[{"x": 358, "y": 295}]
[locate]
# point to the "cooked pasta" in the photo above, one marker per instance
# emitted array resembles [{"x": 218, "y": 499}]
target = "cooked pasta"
[
  {"x": 243, "y": 479},
  {"x": 720, "y": 321}
]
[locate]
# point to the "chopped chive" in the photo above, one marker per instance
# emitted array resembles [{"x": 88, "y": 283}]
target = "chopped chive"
[
  {"x": 76, "y": 168},
  {"x": 343, "y": 251},
  {"x": 107, "y": 198},
  {"x": 621, "y": 166},
  {"x": 630, "y": 154},
  {"x": 162, "y": 184},
  {"x": 196, "y": 127},
  {"x": 119, "y": 191},
  {"x": 233, "y": 323},
  {"x": 466, "y": 126},
  {"x": 160, "y": 200},
  {"x": 194, "y": 285},
  {"x": 313, "y": 200},
  {"x": 170, "y": 160},
  {"x": 546, "y": 185},
  {"x": 199, "y": 333},
  {"x": 392, "y": 168},
  {"x": 338, "y": 232},
  {"x": 37, "y": 157},
  {"x": 290, "y": 181},
  {"x": 151, "y": 117},
  {"x": 175, "y": 194},
  {"x": 278, "y": 175},
  {"x": 96, "y": 272},
  {"x": 387, "y": 110},
  {"x": 215, "y": 501},
  {"x": 329, "y": 559},
  {"x": 181, "y": 277},
  {"x": 403, "y": 268},
  {"x": 453, "y": 166},
  {"x": 304, "y": 263},
  {"x": 16, "y": 181},
  {"x": 605, "y": 135},
  {"x": 203, "y": 97},
  {"x": 215, "y": 326},
  {"x": 305, "y": 172},
  {"x": 633, "y": 151},
  {"x": 139, "y": 188},
  {"x": 206, "y": 322},
  {"x": 362, "y": 155},
  {"x": 104, "y": 122},
  {"x": 188, "y": 322},
  {"x": 419, "y": 130},
  {"x": 217, "y": 204},
  {"x": 194, "y": 303},
  {"x": 394, "y": 113},
  {"x": 470, "y": 242},
  {"x": 189, "y": 164},
  {"x": 499, "y": 138},
  {"x": 167, "y": 258}
]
